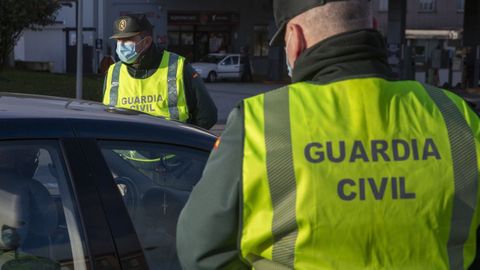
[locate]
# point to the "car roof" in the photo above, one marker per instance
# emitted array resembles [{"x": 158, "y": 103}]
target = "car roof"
[{"x": 43, "y": 117}]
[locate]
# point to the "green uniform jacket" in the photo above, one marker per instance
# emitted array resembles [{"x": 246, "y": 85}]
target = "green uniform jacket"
[
  {"x": 201, "y": 108},
  {"x": 209, "y": 228}
]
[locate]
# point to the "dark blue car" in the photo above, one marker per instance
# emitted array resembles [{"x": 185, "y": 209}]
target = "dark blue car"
[{"x": 84, "y": 186}]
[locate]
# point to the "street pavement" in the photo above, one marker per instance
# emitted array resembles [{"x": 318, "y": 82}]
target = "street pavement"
[{"x": 227, "y": 95}]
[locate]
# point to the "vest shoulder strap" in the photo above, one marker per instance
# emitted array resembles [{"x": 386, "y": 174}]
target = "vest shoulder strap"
[
  {"x": 465, "y": 172},
  {"x": 115, "y": 83}
]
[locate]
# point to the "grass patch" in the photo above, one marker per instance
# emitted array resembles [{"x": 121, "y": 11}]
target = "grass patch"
[{"x": 44, "y": 83}]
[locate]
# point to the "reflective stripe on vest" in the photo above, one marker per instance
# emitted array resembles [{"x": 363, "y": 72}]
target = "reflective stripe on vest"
[
  {"x": 114, "y": 84},
  {"x": 162, "y": 94},
  {"x": 462, "y": 143},
  {"x": 360, "y": 174}
]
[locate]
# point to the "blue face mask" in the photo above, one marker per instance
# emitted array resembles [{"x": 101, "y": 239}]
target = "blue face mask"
[
  {"x": 127, "y": 52},
  {"x": 289, "y": 67}
]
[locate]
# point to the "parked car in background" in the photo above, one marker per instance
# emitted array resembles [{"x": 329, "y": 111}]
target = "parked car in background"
[
  {"x": 216, "y": 66},
  {"x": 85, "y": 186}
]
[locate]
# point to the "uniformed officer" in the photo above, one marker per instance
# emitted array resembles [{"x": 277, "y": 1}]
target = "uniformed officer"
[
  {"x": 346, "y": 168},
  {"x": 155, "y": 81}
]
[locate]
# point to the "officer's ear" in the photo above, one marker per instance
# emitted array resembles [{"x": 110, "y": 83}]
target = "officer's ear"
[
  {"x": 295, "y": 42},
  {"x": 148, "y": 41}
]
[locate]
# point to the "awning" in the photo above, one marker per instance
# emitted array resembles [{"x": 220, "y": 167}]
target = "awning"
[{"x": 432, "y": 34}]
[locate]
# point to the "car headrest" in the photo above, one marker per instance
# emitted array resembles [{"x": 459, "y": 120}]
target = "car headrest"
[{"x": 27, "y": 207}]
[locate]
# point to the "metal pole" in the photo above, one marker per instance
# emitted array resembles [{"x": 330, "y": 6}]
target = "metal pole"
[
  {"x": 95, "y": 24},
  {"x": 79, "y": 85}
]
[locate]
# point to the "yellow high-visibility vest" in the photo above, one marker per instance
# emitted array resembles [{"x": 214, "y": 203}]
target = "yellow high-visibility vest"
[
  {"x": 360, "y": 174},
  {"x": 162, "y": 94}
]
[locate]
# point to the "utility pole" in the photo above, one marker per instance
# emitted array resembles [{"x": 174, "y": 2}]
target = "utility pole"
[
  {"x": 471, "y": 39},
  {"x": 396, "y": 45},
  {"x": 79, "y": 84}
]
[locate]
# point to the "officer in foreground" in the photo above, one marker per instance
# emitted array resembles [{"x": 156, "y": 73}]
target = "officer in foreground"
[
  {"x": 155, "y": 81},
  {"x": 346, "y": 168}
]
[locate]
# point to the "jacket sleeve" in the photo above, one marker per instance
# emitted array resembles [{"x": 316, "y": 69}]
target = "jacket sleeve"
[
  {"x": 209, "y": 225},
  {"x": 202, "y": 109}
]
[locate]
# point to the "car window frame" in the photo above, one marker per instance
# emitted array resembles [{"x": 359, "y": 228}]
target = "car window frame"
[
  {"x": 70, "y": 184},
  {"x": 100, "y": 243},
  {"x": 124, "y": 237},
  {"x": 93, "y": 148},
  {"x": 224, "y": 61}
]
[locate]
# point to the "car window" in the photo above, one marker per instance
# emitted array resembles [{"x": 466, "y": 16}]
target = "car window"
[
  {"x": 235, "y": 60},
  {"x": 227, "y": 61},
  {"x": 38, "y": 219},
  {"x": 155, "y": 182}
]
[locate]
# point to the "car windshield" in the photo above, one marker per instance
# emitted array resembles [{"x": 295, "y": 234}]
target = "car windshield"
[{"x": 211, "y": 58}]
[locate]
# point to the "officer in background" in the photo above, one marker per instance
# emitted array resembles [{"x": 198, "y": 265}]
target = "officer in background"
[
  {"x": 155, "y": 81},
  {"x": 346, "y": 168}
]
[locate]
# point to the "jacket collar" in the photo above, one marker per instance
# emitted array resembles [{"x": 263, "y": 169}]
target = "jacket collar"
[{"x": 359, "y": 53}]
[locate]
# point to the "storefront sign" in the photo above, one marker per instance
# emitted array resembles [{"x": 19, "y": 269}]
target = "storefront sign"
[
  {"x": 182, "y": 18},
  {"x": 202, "y": 18}
]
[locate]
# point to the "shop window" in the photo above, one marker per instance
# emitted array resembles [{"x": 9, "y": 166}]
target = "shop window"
[
  {"x": 260, "y": 47},
  {"x": 460, "y": 5},
  {"x": 383, "y": 5},
  {"x": 428, "y": 5},
  {"x": 173, "y": 38},
  {"x": 187, "y": 39},
  {"x": 420, "y": 54}
]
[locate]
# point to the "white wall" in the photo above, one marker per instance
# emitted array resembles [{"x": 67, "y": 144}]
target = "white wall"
[
  {"x": 44, "y": 46},
  {"x": 50, "y": 44},
  {"x": 19, "y": 50}
]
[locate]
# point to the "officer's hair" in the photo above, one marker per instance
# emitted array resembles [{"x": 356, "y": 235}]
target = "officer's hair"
[{"x": 337, "y": 17}]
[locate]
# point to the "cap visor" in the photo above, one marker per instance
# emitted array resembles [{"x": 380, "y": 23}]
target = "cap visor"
[
  {"x": 278, "y": 37},
  {"x": 125, "y": 35}
]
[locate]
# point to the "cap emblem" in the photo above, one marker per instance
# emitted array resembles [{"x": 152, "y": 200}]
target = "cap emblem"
[{"x": 122, "y": 25}]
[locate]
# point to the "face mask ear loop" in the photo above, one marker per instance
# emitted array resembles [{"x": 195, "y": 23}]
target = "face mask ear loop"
[{"x": 289, "y": 67}]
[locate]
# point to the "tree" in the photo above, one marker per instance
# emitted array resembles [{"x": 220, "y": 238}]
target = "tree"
[{"x": 17, "y": 15}]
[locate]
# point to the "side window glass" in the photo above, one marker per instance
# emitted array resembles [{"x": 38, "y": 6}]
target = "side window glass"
[
  {"x": 155, "y": 182},
  {"x": 38, "y": 219},
  {"x": 235, "y": 60},
  {"x": 228, "y": 61}
]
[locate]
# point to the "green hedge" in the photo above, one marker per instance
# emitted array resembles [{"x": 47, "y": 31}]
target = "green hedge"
[{"x": 44, "y": 83}]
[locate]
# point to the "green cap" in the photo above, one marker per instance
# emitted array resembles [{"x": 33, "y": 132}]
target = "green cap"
[
  {"x": 130, "y": 25},
  {"x": 285, "y": 10}
]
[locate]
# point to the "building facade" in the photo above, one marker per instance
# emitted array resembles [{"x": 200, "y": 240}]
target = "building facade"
[
  {"x": 195, "y": 28},
  {"x": 189, "y": 27},
  {"x": 434, "y": 36}
]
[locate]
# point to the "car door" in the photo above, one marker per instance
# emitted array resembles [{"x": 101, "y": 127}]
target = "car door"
[
  {"x": 51, "y": 216},
  {"x": 153, "y": 181},
  {"x": 236, "y": 71},
  {"x": 226, "y": 68}
]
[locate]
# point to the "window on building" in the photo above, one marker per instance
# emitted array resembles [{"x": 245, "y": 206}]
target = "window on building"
[
  {"x": 260, "y": 47},
  {"x": 383, "y": 5},
  {"x": 428, "y": 5},
  {"x": 460, "y": 5}
]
